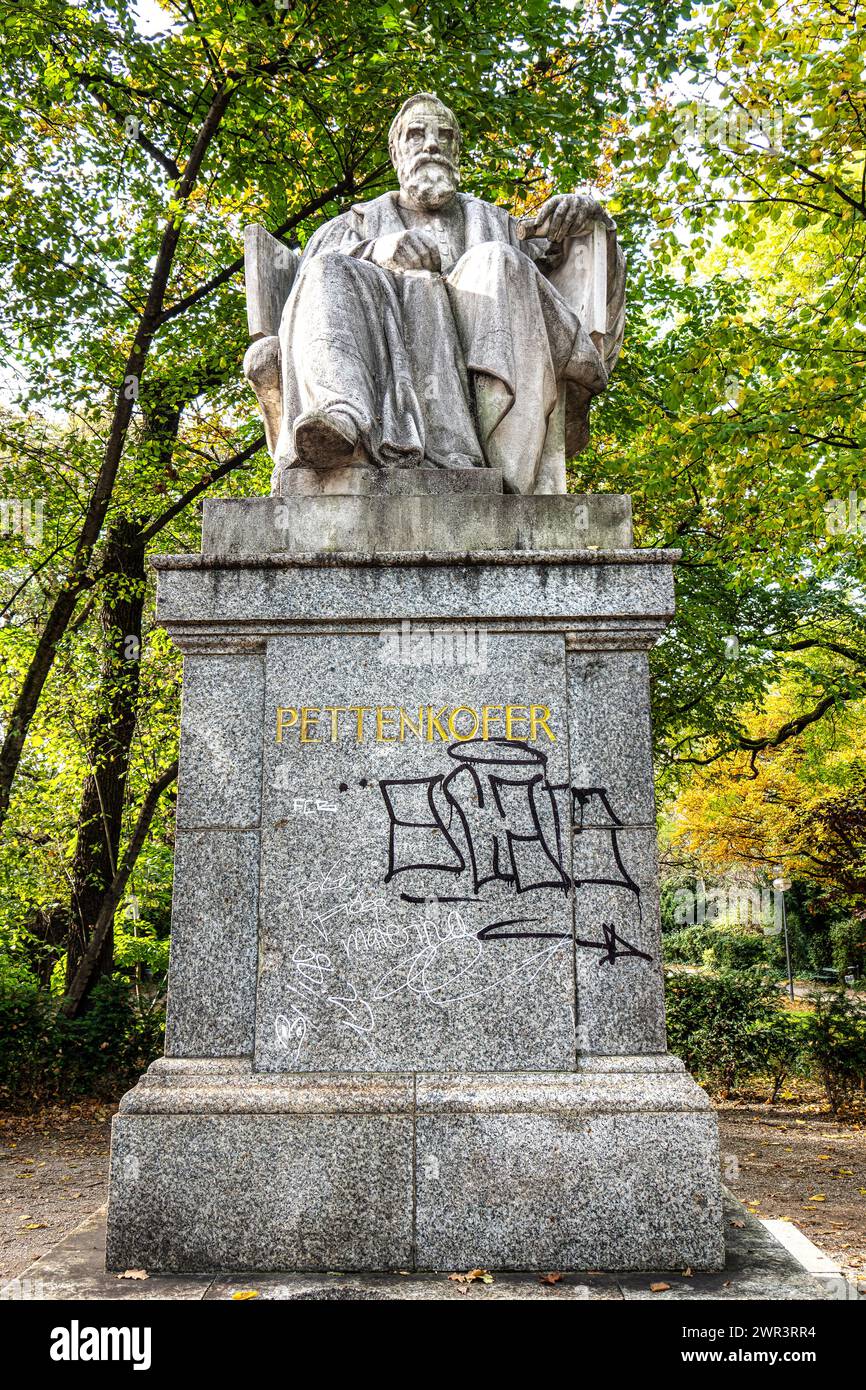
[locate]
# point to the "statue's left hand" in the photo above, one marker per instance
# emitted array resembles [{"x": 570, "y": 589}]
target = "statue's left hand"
[{"x": 565, "y": 215}]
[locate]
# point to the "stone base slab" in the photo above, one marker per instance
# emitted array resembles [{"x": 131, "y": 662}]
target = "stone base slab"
[
  {"x": 372, "y": 524},
  {"x": 360, "y": 481},
  {"x": 757, "y": 1268},
  {"x": 215, "y": 1167}
]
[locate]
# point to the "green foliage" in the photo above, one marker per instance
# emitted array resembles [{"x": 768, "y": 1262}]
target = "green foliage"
[
  {"x": 848, "y": 945},
  {"x": 835, "y": 1042},
  {"x": 713, "y": 1021},
  {"x": 102, "y": 120},
  {"x": 716, "y": 946},
  {"x": 730, "y": 949},
  {"x": 780, "y": 1048},
  {"x": 44, "y": 1056},
  {"x": 731, "y": 1025},
  {"x": 736, "y": 415},
  {"x": 686, "y": 945}
]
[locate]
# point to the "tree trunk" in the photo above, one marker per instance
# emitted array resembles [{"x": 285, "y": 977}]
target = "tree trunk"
[{"x": 100, "y": 816}]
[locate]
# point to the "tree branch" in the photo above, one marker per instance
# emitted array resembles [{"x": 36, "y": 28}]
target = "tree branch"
[
  {"x": 105, "y": 921},
  {"x": 346, "y": 185},
  {"x": 227, "y": 466}
]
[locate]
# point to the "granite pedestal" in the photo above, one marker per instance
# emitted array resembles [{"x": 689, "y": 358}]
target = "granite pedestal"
[{"x": 415, "y": 1011}]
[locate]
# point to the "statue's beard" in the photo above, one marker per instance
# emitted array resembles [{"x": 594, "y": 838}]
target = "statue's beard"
[{"x": 429, "y": 181}]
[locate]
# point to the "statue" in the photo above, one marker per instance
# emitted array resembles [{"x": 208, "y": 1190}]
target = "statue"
[{"x": 428, "y": 328}]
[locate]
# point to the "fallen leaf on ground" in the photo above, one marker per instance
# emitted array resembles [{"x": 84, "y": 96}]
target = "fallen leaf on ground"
[
  {"x": 35, "y": 1226},
  {"x": 739, "y": 1224},
  {"x": 134, "y": 1274},
  {"x": 482, "y": 1276},
  {"x": 658, "y": 1288},
  {"x": 552, "y": 1278},
  {"x": 241, "y": 1294}
]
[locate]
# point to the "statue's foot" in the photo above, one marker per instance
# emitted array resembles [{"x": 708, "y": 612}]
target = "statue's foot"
[{"x": 325, "y": 439}]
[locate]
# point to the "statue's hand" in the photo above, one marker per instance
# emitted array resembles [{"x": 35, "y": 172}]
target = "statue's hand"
[
  {"x": 565, "y": 215},
  {"x": 413, "y": 249}
]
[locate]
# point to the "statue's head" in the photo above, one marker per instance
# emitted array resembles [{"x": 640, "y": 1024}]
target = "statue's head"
[{"x": 424, "y": 144}]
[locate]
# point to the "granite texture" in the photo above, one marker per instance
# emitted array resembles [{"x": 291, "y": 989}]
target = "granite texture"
[
  {"x": 756, "y": 1269},
  {"x": 623, "y": 602},
  {"x": 415, "y": 999},
  {"x": 420, "y": 1287},
  {"x": 216, "y": 1166},
  {"x": 594, "y": 1191},
  {"x": 229, "y": 1086},
  {"x": 212, "y": 970},
  {"x": 74, "y": 1271},
  {"x": 610, "y": 734},
  {"x": 560, "y": 1093},
  {"x": 373, "y": 525},
  {"x": 618, "y": 964},
  {"x": 208, "y": 1192},
  {"x": 371, "y": 911},
  {"x": 643, "y": 1062},
  {"x": 220, "y": 777}
]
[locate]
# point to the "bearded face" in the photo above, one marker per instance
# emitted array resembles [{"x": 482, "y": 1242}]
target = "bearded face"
[{"x": 426, "y": 157}]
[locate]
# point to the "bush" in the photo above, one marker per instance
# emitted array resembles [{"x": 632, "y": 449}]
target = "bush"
[
  {"x": 835, "y": 1042},
  {"x": 734, "y": 950},
  {"x": 45, "y": 1056},
  {"x": 687, "y": 946},
  {"x": 725, "y": 947},
  {"x": 781, "y": 1048},
  {"x": 714, "y": 1021},
  {"x": 848, "y": 942}
]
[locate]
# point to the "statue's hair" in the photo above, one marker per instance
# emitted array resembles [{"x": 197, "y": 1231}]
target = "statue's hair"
[{"x": 407, "y": 106}]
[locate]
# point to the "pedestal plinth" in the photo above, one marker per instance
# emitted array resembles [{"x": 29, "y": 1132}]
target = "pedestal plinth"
[{"x": 415, "y": 1001}]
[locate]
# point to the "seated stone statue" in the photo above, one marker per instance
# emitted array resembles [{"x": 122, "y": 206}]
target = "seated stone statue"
[{"x": 430, "y": 328}]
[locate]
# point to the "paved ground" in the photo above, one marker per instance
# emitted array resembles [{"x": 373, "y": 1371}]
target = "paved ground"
[
  {"x": 757, "y": 1268},
  {"x": 789, "y": 1160},
  {"x": 53, "y": 1173}
]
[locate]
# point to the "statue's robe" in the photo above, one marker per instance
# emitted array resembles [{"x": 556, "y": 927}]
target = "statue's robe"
[{"x": 400, "y": 352}]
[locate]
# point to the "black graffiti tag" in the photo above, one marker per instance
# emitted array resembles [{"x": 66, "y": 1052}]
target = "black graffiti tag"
[{"x": 494, "y": 817}]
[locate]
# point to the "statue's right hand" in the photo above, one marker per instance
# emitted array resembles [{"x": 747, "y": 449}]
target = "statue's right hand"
[{"x": 412, "y": 249}]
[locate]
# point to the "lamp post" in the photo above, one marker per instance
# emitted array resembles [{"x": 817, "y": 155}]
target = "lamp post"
[{"x": 782, "y": 885}]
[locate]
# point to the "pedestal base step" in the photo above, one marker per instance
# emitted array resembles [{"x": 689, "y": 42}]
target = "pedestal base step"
[
  {"x": 757, "y": 1268},
  {"x": 215, "y": 1167}
]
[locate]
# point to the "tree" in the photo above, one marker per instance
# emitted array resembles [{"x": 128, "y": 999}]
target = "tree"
[
  {"x": 737, "y": 416},
  {"x": 138, "y": 159},
  {"x": 797, "y": 805}
]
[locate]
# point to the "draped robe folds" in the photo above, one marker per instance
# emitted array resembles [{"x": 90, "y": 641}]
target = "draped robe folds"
[{"x": 405, "y": 353}]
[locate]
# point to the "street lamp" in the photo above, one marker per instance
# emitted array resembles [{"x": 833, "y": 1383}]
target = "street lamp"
[{"x": 782, "y": 885}]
